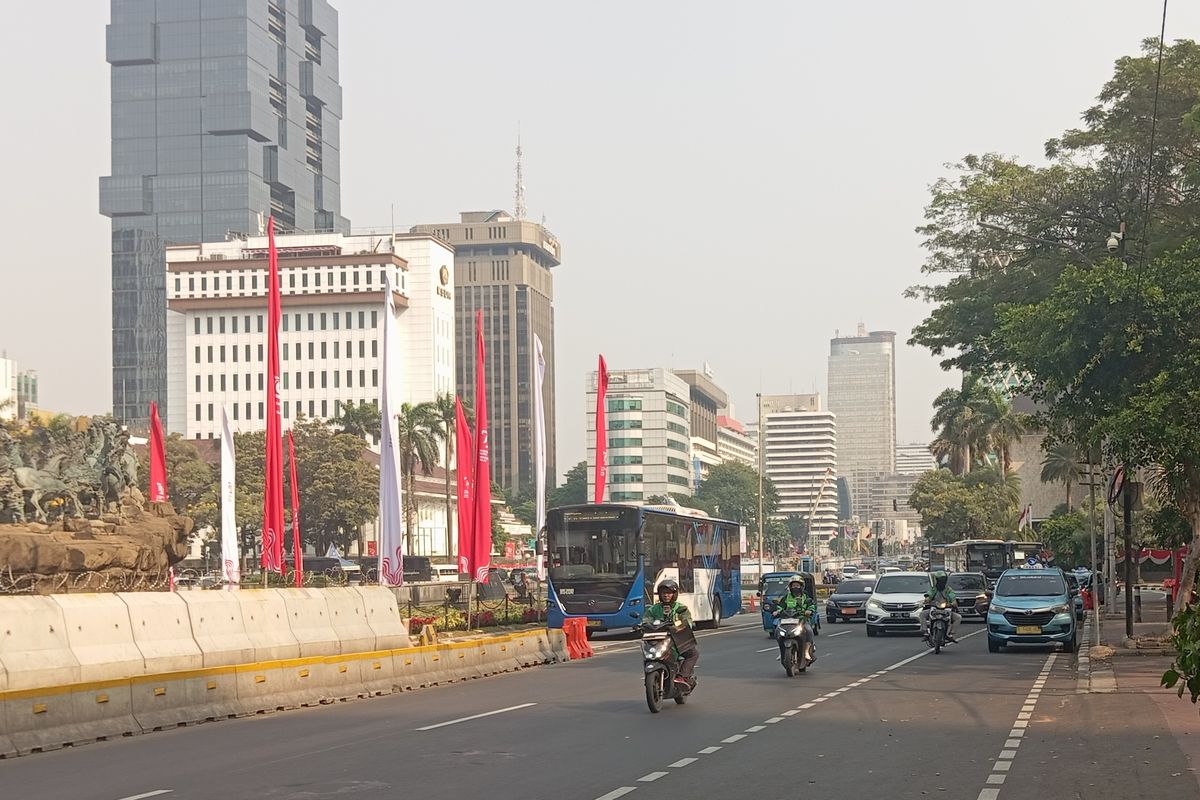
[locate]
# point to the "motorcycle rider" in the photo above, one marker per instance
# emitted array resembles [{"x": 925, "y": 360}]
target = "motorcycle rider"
[
  {"x": 934, "y": 595},
  {"x": 669, "y": 609},
  {"x": 798, "y": 604}
]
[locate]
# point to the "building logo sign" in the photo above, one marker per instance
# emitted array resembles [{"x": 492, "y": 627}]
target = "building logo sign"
[{"x": 444, "y": 278}]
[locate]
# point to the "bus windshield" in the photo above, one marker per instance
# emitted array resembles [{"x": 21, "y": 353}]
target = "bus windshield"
[
  {"x": 593, "y": 552},
  {"x": 986, "y": 557}
]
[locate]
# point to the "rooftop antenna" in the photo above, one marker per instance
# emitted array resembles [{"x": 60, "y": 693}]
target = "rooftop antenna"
[{"x": 519, "y": 199}]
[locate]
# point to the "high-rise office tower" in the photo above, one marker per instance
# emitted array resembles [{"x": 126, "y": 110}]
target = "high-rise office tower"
[
  {"x": 800, "y": 444},
  {"x": 502, "y": 266},
  {"x": 862, "y": 393},
  {"x": 222, "y": 114}
]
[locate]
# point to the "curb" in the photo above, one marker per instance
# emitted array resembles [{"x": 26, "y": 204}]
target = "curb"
[{"x": 1083, "y": 663}]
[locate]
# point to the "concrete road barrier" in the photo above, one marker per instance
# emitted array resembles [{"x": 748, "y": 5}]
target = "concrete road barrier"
[
  {"x": 348, "y": 619},
  {"x": 218, "y": 628},
  {"x": 162, "y": 630},
  {"x": 311, "y": 621},
  {"x": 266, "y": 619},
  {"x": 383, "y": 615}
]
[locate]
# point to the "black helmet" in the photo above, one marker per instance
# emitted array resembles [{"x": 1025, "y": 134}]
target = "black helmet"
[
  {"x": 668, "y": 587},
  {"x": 939, "y": 579},
  {"x": 795, "y": 588}
]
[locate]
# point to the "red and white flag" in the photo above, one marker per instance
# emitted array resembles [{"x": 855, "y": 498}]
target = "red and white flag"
[
  {"x": 158, "y": 458},
  {"x": 601, "y": 430},
  {"x": 272, "y": 527},
  {"x": 465, "y": 448},
  {"x": 481, "y": 522},
  {"x": 1026, "y": 518},
  {"x": 297, "y": 551}
]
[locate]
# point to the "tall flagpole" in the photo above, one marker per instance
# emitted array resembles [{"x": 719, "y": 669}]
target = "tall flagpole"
[
  {"x": 539, "y": 432},
  {"x": 272, "y": 530},
  {"x": 391, "y": 524}
]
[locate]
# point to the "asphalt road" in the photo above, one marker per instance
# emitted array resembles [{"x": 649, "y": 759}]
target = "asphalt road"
[{"x": 874, "y": 718}]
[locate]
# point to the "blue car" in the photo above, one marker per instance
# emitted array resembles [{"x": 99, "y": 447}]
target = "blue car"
[{"x": 1032, "y": 606}]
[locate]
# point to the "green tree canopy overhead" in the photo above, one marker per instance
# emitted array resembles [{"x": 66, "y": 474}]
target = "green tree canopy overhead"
[
  {"x": 573, "y": 490},
  {"x": 983, "y": 504}
]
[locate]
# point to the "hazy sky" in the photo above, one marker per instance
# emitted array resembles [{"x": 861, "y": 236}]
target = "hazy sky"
[{"x": 730, "y": 185}]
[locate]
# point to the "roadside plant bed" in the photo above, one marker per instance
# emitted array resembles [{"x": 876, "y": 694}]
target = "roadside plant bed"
[{"x": 444, "y": 618}]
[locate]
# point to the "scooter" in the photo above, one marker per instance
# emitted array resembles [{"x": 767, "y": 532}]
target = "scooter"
[
  {"x": 790, "y": 633},
  {"x": 939, "y": 626},
  {"x": 661, "y": 642}
]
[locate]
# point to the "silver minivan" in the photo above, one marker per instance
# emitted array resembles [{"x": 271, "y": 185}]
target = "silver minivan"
[{"x": 895, "y": 605}]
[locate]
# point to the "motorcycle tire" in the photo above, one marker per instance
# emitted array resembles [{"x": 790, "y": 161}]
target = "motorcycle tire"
[
  {"x": 654, "y": 692},
  {"x": 789, "y": 664},
  {"x": 939, "y": 639}
]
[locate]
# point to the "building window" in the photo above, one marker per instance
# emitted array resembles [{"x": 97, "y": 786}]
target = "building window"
[
  {"x": 337, "y": 319},
  {"x": 337, "y": 379},
  {"x": 260, "y": 411},
  {"x": 304, "y": 280},
  {"x": 624, "y": 424},
  {"x": 235, "y": 381},
  {"x": 260, "y": 352},
  {"x": 222, "y": 381},
  {"x": 374, "y": 377},
  {"x": 298, "y": 323},
  {"x": 221, "y": 323},
  {"x": 286, "y": 415},
  {"x": 679, "y": 480},
  {"x": 260, "y": 324},
  {"x": 324, "y": 408},
  {"x": 235, "y": 410},
  {"x": 312, "y": 321},
  {"x": 323, "y": 351},
  {"x": 349, "y": 320},
  {"x": 317, "y": 279},
  {"x": 362, "y": 316},
  {"x": 374, "y": 320},
  {"x": 362, "y": 379},
  {"x": 675, "y": 427},
  {"x": 337, "y": 346},
  {"x": 234, "y": 351},
  {"x": 291, "y": 279},
  {"x": 197, "y": 354},
  {"x": 284, "y": 350},
  {"x": 285, "y": 323},
  {"x": 676, "y": 409},
  {"x": 624, "y": 442},
  {"x": 342, "y": 280},
  {"x": 349, "y": 379},
  {"x": 374, "y": 348},
  {"x": 362, "y": 348},
  {"x": 197, "y": 384},
  {"x": 312, "y": 408},
  {"x": 210, "y": 412},
  {"x": 324, "y": 383},
  {"x": 619, "y": 497},
  {"x": 323, "y": 315},
  {"x": 191, "y": 284},
  {"x": 312, "y": 379},
  {"x": 677, "y": 462},
  {"x": 210, "y": 383},
  {"x": 285, "y": 380},
  {"x": 204, "y": 285},
  {"x": 620, "y": 404},
  {"x": 311, "y": 351},
  {"x": 242, "y": 282},
  {"x": 208, "y": 320},
  {"x": 177, "y": 283},
  {"x": 248, "y": 352},
  {"x": 675, "y": 444},
  {"x": 248, "y": 411},
  {"x": 248, "y": 324},
  {"x": 234, "y": 321},
  {"x": 222, "y": 354},
  {"x": 260, "y": 381},
  {"x": 197, "y": 412},
  {"x": 297, "y": 346},
  {"x": 210, "y": 354},
  {"x": 197, "y": 325}
]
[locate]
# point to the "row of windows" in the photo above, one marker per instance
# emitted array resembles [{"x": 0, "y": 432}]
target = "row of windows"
[
  {"x": 624, "y": 405},
  {"x": 620, "y": 497},
  {"x": 677, "y": 479},
  {"x": 293, "y": 380},
  {"x": 674, "y": 444},
  {"x": 676, "y": 409},
  {"x": 677, "y": 462},
  {"x": 352, "y": 279},
  {"x": 675, "y": 427},
  {"x": 624, "y": 424},
  {"x": 624, "y": 442},
  {"x": 220, "y": 352},
  {"x": 316, "y": 321},
  {"x": 296, "y": 351},
  {"x": 618, "y": 477},
  {"x": 618, "y": 461},
  {"x": 246, "y": 411}
]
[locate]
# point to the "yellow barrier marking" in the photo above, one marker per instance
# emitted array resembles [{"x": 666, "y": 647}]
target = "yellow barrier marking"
[
  {"x": 39, "y": 708},
  {"x": 435, "y": 658},
  {"x": 462, "y": 655},
  {"x": 101, "y": 698},
  {"x": 260, "y": 678},
  {"x": 303, "y": 673},
  {"x": 342, "y": 668},
  {"x": 211, "y": 685},
  {"x": 159, "y": 691},
  {"x": 407, "y": 662},
  {"x": 376, "y": 665}
]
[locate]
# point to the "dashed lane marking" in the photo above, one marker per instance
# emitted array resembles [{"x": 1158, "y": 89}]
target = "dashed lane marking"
[{"x": 1004, "y": 762}]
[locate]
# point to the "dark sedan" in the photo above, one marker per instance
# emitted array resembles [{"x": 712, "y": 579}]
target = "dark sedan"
[
  {"x": 973, "y": 593},
  {"x": 849, "y": 600}
]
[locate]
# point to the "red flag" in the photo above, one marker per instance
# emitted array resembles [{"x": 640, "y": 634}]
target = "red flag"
[
  {"x": 601, "y": 431},
  {"x": 481, "y": 523},
  {"x": 297, "y": 553},
  {"x": 158, "y": 458},
  {"x": 465, "y": 448},
  {"x": 272, "y": 528}
]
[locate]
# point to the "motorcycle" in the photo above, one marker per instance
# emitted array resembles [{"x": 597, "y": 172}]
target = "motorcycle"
[
  {"x": 662, "y": 642},
  {"x": 790, "y": 633},
  {"x": 939, "y": 626}
]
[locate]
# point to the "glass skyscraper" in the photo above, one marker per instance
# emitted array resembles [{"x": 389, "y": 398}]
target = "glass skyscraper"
[{"x": 223, "y": 112}]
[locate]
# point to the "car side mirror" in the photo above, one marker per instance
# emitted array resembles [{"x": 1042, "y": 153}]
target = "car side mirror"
[{"x": 758, "y": 594}]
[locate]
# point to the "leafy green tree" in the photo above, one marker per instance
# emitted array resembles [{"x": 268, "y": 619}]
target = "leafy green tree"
[
  {"x": 731, "y": 492},
  {"x": 573, "y": 490},
  {"x": 447, "y": 413},
  {"x": 1068, "y": 535},
  {"x": 953, "y": 507},
  {"x": 956, "y": 421},
  {"x": 798, "y": 530},
  {"x": 338, "y": 487}
]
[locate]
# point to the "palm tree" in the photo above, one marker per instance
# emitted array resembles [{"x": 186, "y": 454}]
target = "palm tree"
[
  {"x": 1061, "y": 465},
  {"x": 359, "y": 420},
  {"x": 447, "y": 413},
  {"x": 420, "y": 432},
  {"x": 1002, "y": 427},
  {"x": 957, "y": 418}
]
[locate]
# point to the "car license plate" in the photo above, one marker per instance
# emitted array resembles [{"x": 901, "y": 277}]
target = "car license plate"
[
  {"x": 1029, "y": 629},
  {"x": 899, "y": 615},
  {"x": 850, "y": 612},
  {"x": 594, "y": 623}
]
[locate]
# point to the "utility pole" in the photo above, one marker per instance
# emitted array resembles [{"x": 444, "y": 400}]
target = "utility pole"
[
  {"x": 1127, "y": 515},
  {"x": 1092, "y": 529},
  {"x": 762, "y": 446}
]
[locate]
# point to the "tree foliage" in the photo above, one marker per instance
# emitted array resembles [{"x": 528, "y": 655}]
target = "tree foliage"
[
  {"x": 982, "y": 504},
  {"x": 339, "y": 488},
  {"x": 573, "y": 490},
  {"x": 973, "y": 423}
]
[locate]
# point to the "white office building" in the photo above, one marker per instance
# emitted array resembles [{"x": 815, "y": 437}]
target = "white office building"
[
  {"x": 332, "y": 288},
  {"x": 914, "y": 459},
  {"x": 734, "y": 443},
  {"x": 649, "y": 435},
  {"x": 799, "y": 441}
]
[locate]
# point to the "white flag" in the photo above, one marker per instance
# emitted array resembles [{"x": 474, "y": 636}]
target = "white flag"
[
  {"x": 391, "y": 517},
  {"x": 231, "y": 570},
  {"x": 539, "y": 433}
]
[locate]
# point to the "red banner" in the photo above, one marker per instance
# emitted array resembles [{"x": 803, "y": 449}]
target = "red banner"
[
  {"x": 297, "y": 549},
  {"x": 158, "y": 458},
  {"x": 601, "y": 430},
  {"x": 272, "y": 527},
  {"x": 481, "y": 523},
  {"x": 465, "y": 448}
]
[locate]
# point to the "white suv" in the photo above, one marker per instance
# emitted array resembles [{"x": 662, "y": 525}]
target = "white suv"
[{"x": 895, "y": 605}]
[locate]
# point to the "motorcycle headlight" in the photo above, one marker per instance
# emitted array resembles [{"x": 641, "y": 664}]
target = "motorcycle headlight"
[{"x": 656, "y": 649}]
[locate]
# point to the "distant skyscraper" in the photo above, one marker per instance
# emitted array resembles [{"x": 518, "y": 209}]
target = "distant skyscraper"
[
  {"x": 222, "y": 114},
  {"x": 502, "y": 267},
  {"x": 800, "y": 455},
  {"x": 735, "y": 444},
  {"x": 862, "y": 393},
  {"x": 705, "y": 400}
]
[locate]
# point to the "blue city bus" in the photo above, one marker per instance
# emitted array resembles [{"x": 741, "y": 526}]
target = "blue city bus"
[{"x": 605, "y": 562}]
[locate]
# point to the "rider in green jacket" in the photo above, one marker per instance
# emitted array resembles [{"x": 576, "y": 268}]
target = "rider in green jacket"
[
  {"x": 799, "y": 604},
  {"x": 669, "y": 609}
]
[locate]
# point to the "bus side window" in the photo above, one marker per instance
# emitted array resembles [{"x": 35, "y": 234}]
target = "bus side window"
[{"x": 686, "y": 536}]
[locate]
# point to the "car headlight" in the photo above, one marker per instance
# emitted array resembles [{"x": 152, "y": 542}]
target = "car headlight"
[
  {"x": 875, "y": 604},
  {"x": 1061, "y": 608},
  {"x": 998, "y": 609}
]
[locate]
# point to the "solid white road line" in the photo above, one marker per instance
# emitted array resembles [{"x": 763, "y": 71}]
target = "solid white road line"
[
  {"x": 144, "y": 795},
  {"x": 465, "y": 719}
]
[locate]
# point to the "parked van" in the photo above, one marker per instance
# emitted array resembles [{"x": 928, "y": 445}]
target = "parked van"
[{"x": 445, "y": 573}]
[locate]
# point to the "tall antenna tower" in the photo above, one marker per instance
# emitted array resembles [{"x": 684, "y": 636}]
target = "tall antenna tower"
[{"x": 519, "y": 199}]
